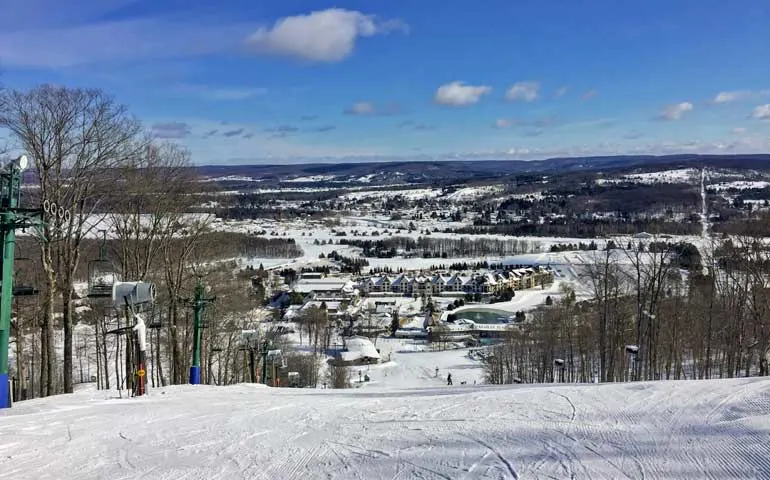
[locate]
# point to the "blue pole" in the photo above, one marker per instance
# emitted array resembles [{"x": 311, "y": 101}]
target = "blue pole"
[
  {"x": 5, "y": 391},
  {"x": 195, "y": 369},
  {"x": 195, "y": 375}
]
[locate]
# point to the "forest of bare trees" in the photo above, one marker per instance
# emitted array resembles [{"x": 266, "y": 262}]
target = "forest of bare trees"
[
  {"x": 646, "y": 319},
  {"x": 91, "y": 157}
]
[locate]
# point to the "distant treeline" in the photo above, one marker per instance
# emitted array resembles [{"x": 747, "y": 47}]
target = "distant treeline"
[
  {"x": 582, "y": 228},
  {"x": 567, "y": 247},
  {"x": 457, "y": 266},
  {"x": 432, "y": 247}
]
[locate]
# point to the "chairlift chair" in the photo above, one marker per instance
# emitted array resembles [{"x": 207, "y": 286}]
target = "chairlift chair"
[
  {"x": 101, "y": 278},
  {"x": 101, "y": 273},
  {"x": 23, "y": 278},
  {"x": 155, "y": 321}
]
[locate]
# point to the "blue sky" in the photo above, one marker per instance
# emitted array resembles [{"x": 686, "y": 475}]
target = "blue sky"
[{"x": 244, "y": 82}]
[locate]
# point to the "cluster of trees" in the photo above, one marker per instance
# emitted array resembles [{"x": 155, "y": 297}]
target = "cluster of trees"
[
  {"x": 456, "y": 304},
  {"x": 93, "y": 158},
  {"x": 348, "y": 264},
  {"x": 505, "y": 295},
  {"x": 255, "y": 247},
  {"x": 443, "y": 247},
  {"x": 88, "y": 154},
  {"x": 566, "y": 247},
  {"x": 646, "y": 321},
  {"x": 465, "y": 266}
]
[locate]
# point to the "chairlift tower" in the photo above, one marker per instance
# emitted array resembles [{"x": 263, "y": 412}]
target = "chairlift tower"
[
  {"x": 198, "y": 303},
  {"x": 13, "y": 217}
]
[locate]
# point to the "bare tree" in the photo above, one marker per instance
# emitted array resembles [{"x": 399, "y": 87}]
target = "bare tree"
[
  {"x": 338, "y": 376},
  {"x": 75, "y": 137},
  {"x": 180, "y": 249},
  {"x": 156, "y": 190}
]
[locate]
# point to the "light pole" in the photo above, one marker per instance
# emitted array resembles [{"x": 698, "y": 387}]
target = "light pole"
[{"x": 11, "y": 218}]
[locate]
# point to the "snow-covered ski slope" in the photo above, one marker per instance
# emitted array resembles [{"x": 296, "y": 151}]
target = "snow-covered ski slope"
[{"x": 717, "y": 429}]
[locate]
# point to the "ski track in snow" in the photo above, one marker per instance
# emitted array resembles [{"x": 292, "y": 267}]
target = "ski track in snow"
[{"x": 717, "y": 429}]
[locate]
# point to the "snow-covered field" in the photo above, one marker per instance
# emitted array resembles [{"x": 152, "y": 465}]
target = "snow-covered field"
[
  {"x": 680, "y": 175},
  {"x": 469, "y": 193},
  {"x": 666, "y": 430},
  {"x": 739, "y": 185},
  {"x": 410, "y": 194}
]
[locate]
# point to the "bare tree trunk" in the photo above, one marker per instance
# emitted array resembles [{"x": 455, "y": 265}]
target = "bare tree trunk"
[
  {"x": 68, "y": 330},
  {"x": 161, "y": 379},
  {"x": 42, "y": 384},
  {"x": 50, "y": 351},
  {"x": 20, "y": 369},
  {"x": 105, "y": 353}
]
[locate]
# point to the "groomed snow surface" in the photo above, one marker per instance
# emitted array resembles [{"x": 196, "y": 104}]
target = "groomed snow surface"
[{"x": 404, "y": 424}]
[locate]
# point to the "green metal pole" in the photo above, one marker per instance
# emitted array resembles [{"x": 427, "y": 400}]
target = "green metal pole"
[
  {"x": 198, "y": 304},
  {"x": 264, "y": 362},
  {"x": 8, "y": 237}
]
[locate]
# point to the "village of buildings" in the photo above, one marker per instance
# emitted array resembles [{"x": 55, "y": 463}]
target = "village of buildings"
[{"x": 420, "y": 300}]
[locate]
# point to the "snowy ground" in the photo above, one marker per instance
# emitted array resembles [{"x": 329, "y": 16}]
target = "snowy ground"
[
  {"x": 413, "y": 365},
  {"x": 671, "y": 430}
]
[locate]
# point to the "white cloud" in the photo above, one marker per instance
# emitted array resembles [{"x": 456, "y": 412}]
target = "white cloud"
[
  {"x": 740, "y": 95},
  {"x": 732, "y": 96},
  {"x": 524, "y": 91},
  {"x": 360, "y": 108},
  {"x": 738, "y": 131},
  {"x": 503, "y": 123},
  {"x": 369, "y": 108},
  {"x": 589, "y": 94},
  {"x": 458, "y": 94},
  {"x": 560, "y": 92},
  {"x": 676, "y": 111},
  {"x": 762, "y": 112},
  {"x": 320, "y": 36}
]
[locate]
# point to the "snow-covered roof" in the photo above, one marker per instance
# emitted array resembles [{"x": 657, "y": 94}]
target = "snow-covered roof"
[
  {"x": 363, "y": 346},
  {"x": 350, "y": 356},
  {"x": 317, "y": 304},
  {"x": 320, "y": 285},
  {"x": 454, "y": 280}
]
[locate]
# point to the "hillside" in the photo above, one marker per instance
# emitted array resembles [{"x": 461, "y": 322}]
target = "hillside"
[
  {"x": 379, "y": 173},
  {"x": 665, "y": 430}
]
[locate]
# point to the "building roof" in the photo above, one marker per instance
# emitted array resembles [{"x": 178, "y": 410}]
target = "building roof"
[
  {"x": 361, "y": 345},
  {"x": 320, "y": 285},
  {"x": 329, "y": 305}
]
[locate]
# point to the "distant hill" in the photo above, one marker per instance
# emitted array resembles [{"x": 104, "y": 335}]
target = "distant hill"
[{"x": 454, "y": 171}]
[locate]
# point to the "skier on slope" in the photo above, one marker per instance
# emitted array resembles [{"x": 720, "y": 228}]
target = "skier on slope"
[{"x": 449, "y": 379}]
